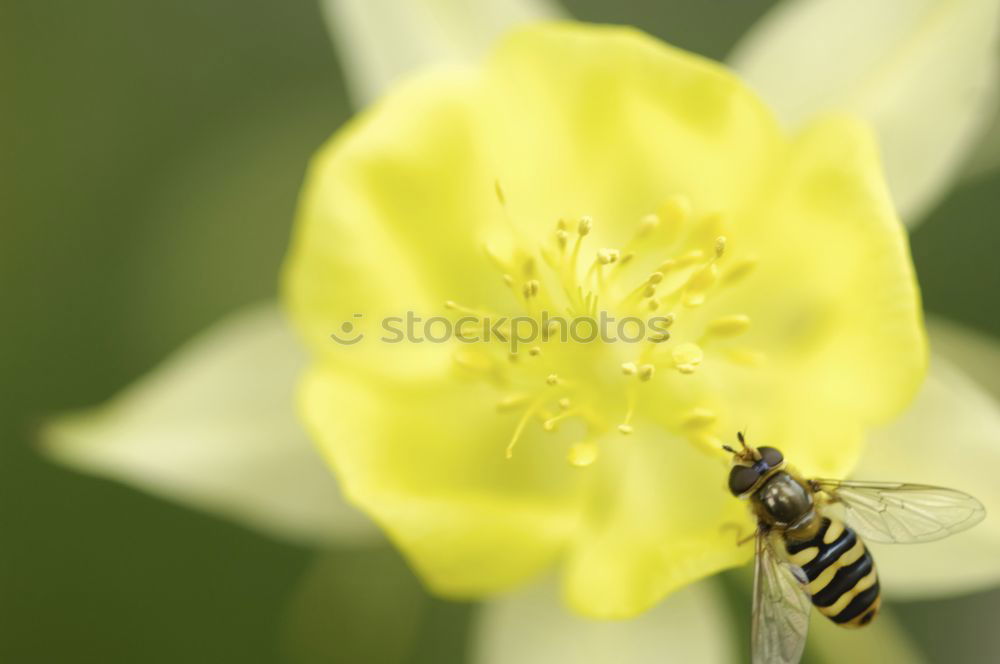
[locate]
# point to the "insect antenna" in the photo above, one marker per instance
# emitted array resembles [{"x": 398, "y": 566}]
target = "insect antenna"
[{"x": 729, "y": 449}]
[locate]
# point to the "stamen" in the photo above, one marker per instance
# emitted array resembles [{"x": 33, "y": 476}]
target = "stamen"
[
  {"x": 745, "y": 357},
  {"x": 739, "y": 270},
  {"x": 531, "y": 288},
  {"x": 521, "y": 424},
  {"x": 582, "y": 454},
  {"x": 688, "y": 274},
  {"x": 551, "y": 423},
  {"x": 720, "y": 246},
  {"x": 687, "y": 357},
  {"x": 607, "y": 256},
  {"x": 501, "y": 197},
  {"x": 473, "y": 361},
  {"x": 727, "y": 326},
  {"x": 562, "y": 237},
  {"x": 625, "y": 427},
  {"x": 675, "y": 213},
  {"x": 511, "y": 402},
  {"x": 478, "y": 313},
  {"x": 697, "y": 287},
  {"x": 644, "y": 290},
  {"x": 699, "y": 418}
]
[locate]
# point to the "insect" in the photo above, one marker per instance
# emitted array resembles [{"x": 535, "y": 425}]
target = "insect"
[{"x": 806, "y": 553}]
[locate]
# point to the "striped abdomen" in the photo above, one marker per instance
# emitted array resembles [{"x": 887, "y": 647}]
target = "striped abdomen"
[{"x": 842, "y": 577}]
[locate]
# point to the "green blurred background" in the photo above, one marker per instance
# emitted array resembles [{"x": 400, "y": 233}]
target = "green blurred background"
[{"x": 152, "y": 153}]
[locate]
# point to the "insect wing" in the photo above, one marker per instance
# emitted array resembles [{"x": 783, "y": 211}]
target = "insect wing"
[
  {"x": 894, "y": 512},
  {"x": 781, "y": 607}
]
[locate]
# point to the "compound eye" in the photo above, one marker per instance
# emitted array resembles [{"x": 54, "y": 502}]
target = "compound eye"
[
  {"x": 742, "y": 479},
  {"x": 772, "y": 457}
]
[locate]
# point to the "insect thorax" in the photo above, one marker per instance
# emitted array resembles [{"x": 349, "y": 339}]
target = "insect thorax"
[{"x": 783, "y": 501}]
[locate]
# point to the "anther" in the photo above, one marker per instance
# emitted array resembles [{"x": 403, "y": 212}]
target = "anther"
[
  {"x": 655, "y": 278},
  {"x": 646, "y": 372},
  {"x": 552, "y": 379},
  {"x": 607, "y": 256},
  {"x": 511, "y": 402},
  {"x": 582, "y": 454},
  {"x": 687, "y": 357},
  {"x": 534, "y": 351},
  {"x": 562, "y": 237},
  {"x": 739, "y": 270},
  {"x": 699, "y": 418},
  {"x": 625, "y": 429},
  {"x": 564, "y": 403},
  {"x": 745, "y": 357},
  {"x": 531, "y": 288},
  {"x": 728, "y": 326},
  {"x": 676, "y": 210},
  {"x": 499, "y": 192},
  {"x": 629, "y": 368},
  {"x": 648, "y": 224},
  {"x": 584, "y": 226},
  {"x": 720, "y": 246},
  {"x": 699, "y": 284}
]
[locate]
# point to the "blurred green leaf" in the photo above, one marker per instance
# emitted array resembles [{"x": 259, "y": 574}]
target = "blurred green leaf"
[{"x": 359, "y": 606}]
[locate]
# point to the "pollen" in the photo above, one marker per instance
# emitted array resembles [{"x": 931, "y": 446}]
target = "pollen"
[
  {"x": 582, "y": 454},
  {"x": 608, "y": 256},
  {"x": 673, "y": 260},
  {"x": 728, "y": 326},
  {"x": 687, "y": 357}
]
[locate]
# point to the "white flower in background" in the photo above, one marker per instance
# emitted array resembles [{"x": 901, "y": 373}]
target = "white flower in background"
[{"x": 215, "y": 427}]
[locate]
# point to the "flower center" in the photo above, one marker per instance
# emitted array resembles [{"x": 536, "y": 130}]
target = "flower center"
[{"x": 598, "y": 324}]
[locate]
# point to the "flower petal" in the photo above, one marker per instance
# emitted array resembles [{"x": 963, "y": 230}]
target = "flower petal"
[
  {"x": 533, "y": 627},
  {"x": 215, "y": 429},
  {"x": 393, "y": 207},
  {"x": 419, "y": 457},
  {"x": 603, "y": 121},
  {"x": 380, "y": 41},
  {"x": 643, "y": 537},
  {"x": 923, "y": 72},
  {"x": 626, "y": 121},
  {"x": 825, "y": 237},
  {"x": 949, "y": 437}
]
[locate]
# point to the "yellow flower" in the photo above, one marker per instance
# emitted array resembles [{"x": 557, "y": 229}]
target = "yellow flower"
[{"x": 584, "y": 169}]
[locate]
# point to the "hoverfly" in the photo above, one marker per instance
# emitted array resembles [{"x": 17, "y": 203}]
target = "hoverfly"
[{"x": 806, "y": 554}]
